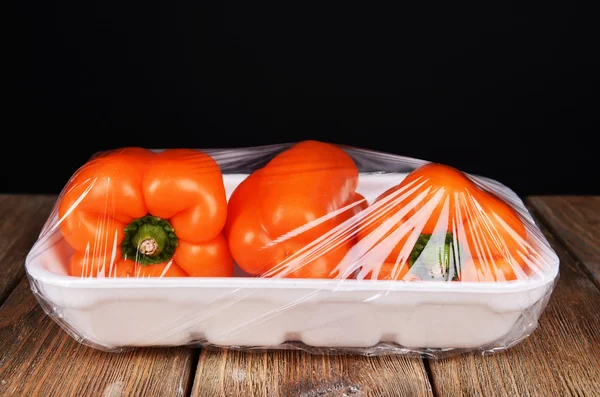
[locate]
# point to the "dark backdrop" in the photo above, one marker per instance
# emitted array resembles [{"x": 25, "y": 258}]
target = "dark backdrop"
[{"x": 504, "y": 90}]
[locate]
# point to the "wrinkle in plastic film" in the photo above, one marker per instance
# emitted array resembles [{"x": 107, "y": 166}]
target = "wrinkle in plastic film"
[{"x": 308, "y": 246}]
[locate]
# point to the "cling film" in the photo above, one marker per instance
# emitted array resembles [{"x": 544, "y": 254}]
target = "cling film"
[{"x": 313, "y": 212}]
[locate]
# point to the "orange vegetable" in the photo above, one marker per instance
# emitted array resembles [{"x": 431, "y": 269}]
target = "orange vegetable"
[
  {"x": 136, "y": 213},
  {"x": 494, "y": 269},
  {"x": 430, "y": 199},
  {"x": 390, "y": 271},
  {"x": 432, "y": 189},
  {"x": 438, "y": 200},
  {"x": 495, "y": 238},
  {"x": 280, "y": 215}
]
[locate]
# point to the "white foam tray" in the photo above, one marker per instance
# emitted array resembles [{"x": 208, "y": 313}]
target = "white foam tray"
[{"x": 243, "y": 311}]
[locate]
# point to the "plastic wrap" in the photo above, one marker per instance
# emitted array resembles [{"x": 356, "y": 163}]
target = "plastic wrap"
[{"x": 309, "y": 246}]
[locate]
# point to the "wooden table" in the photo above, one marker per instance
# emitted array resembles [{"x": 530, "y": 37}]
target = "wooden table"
[{"x": 561, "y": 358}]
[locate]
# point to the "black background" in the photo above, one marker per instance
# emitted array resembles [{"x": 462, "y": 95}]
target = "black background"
[{"x": 505, "y": 90}]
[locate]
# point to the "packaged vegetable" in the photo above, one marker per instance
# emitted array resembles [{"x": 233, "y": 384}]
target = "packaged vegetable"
[
  {"x": 308, "y": 245},
  {"x": 135, "y": 213},
  {"x": 276, "y": 213}
]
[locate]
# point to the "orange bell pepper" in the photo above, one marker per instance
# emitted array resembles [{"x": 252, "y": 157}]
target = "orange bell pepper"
[
  {"x": 471, "y": 227},
  {"x": 135, "y": 213},
  {"x": 496, "y": 240},
  {"x": 286, "y": 219}
]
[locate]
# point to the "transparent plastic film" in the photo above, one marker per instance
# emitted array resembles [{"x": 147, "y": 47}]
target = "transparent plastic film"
[{"x": 306, "y": 245}]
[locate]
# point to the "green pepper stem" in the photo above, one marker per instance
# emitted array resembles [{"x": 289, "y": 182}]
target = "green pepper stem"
[
  {"x": 444, "y": 258},
  {"x": 149, "y": 240}
]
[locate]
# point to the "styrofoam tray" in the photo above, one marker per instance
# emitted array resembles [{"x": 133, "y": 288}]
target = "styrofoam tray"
[{"x": 244, "y": 311}]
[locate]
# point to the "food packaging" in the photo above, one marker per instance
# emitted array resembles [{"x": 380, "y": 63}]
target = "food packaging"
[{"x": 309, "y": 245}]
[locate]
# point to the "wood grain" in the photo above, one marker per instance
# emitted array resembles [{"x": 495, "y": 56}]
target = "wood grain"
[
  {"x": 561, "y": 358},
  {"x": 39, "y": 359},
  {"x": 297, "y": 373},
  {"x": 21, "y": 219},
  {"x": 574, "y": 221}
]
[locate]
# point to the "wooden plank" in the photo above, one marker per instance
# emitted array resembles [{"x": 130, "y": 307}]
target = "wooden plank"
[
  {"x": 574, "y": 221},
  {"x": 297, "y": 373},
  {"x": 39, "y": 359},
  {"x": 21, "y": 219},
  {"x": 561, "y": 358}
]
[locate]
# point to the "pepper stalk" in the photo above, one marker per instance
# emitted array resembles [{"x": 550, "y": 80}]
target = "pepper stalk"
[{"x": 149, "y": 240}]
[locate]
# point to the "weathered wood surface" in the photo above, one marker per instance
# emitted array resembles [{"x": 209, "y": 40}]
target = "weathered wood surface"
[
  {"x": 21, "y": 219},
  {"x": 296, "y": 373},
  {"x": 561, "y": 358}
]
